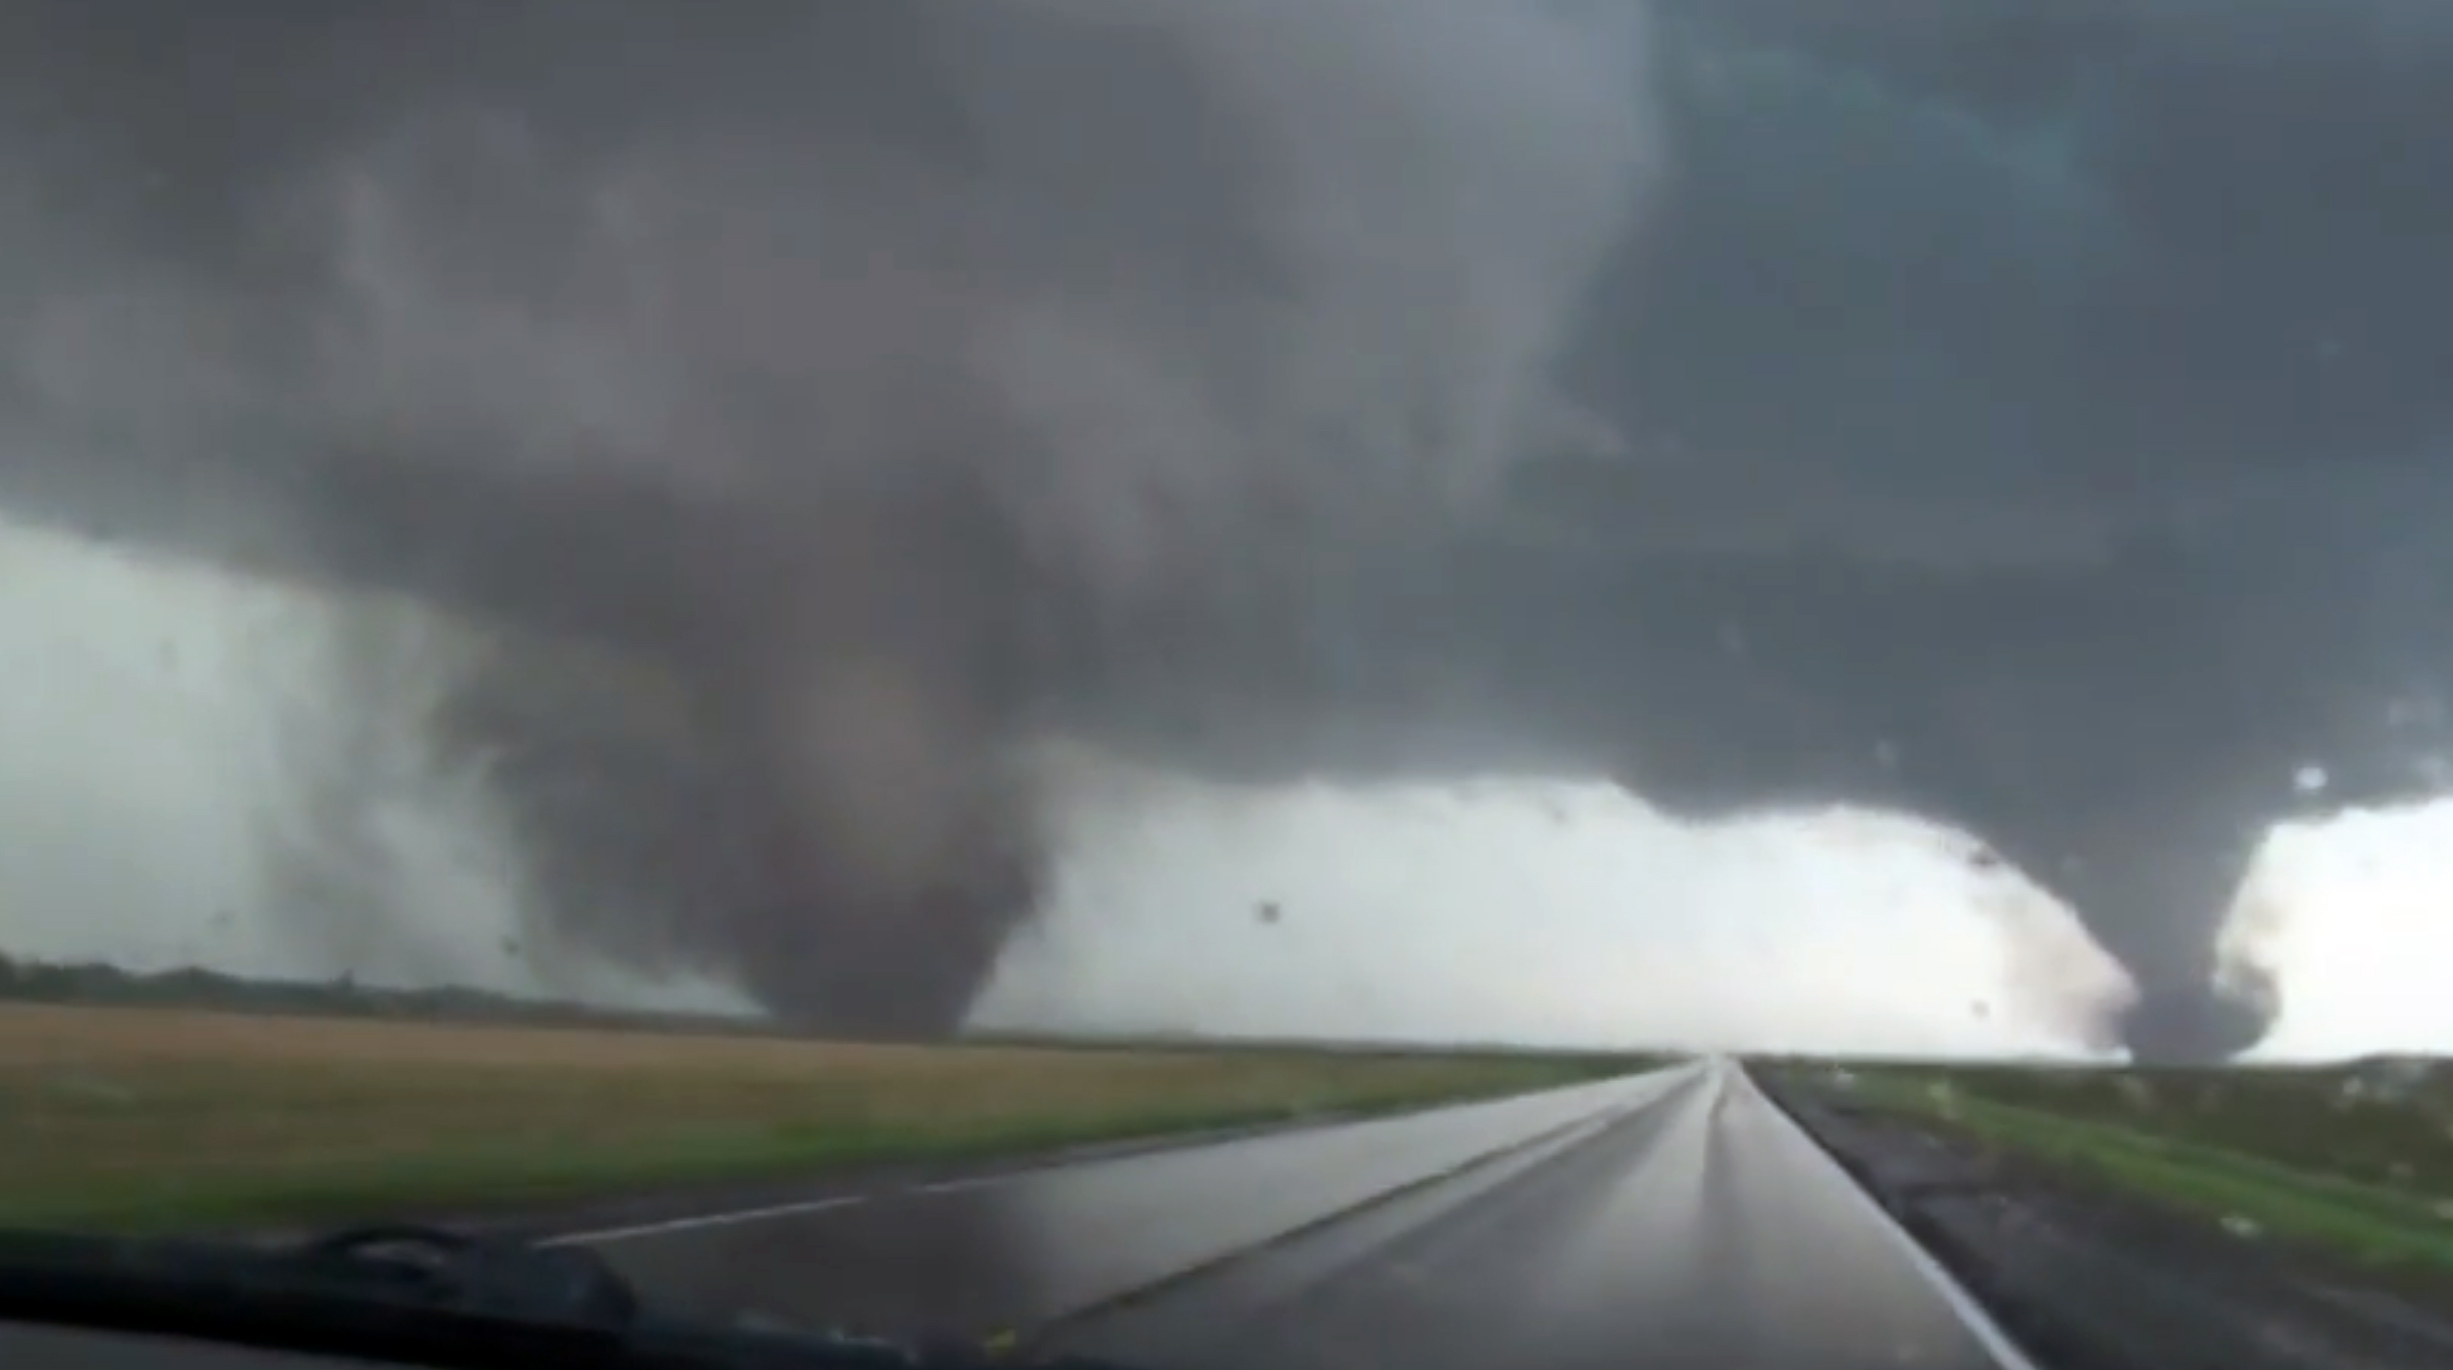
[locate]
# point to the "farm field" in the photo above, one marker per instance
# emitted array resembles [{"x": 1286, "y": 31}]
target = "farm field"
[{"x": 152, "y": 1119}]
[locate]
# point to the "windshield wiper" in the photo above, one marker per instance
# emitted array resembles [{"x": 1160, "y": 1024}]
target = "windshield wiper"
[{"x": 414, "y": 1295}]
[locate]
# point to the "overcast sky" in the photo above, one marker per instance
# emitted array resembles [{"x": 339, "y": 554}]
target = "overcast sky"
[{"x": 161, "y": 721}]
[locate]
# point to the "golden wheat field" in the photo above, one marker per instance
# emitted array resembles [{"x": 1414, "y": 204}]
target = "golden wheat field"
[{"x": 151, "y": 1118}]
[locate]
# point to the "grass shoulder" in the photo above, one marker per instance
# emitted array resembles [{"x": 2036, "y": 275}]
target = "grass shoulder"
[{"x": 2196, "y": 1158}]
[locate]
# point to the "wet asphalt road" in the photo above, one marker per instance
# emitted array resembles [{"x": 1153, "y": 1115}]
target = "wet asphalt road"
[{"x": 1670, "y": 1220}]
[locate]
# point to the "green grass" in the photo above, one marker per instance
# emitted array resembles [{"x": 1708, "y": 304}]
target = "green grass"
[
  {"x": 148, "y": 1121},
  {"x": 2331, "y": 1120},
  {"x": 2377, "y": 1223}
]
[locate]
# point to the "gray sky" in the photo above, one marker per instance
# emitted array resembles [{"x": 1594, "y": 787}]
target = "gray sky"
[{"x": 1098, "y": 362}]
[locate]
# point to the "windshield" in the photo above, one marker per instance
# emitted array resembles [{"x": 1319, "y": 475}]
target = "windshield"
[{"x": 583, "y": 585}]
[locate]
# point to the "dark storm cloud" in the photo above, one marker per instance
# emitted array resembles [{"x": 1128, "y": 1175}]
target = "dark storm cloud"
[
  {"x": 2021, "y": 412},
  {"x": 890, "y": 369},
  {"x": 2153, "y": 291}
]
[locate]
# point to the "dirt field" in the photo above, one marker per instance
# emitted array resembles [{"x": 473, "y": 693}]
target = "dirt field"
[{"x": 165, "y": 1119}]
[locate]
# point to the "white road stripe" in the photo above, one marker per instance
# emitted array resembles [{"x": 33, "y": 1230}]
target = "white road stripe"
[
  {"x": 1979, "y": 1323},
  {"x": 738, "y": 1215},
  {"x": 731, "y": 1217}
]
